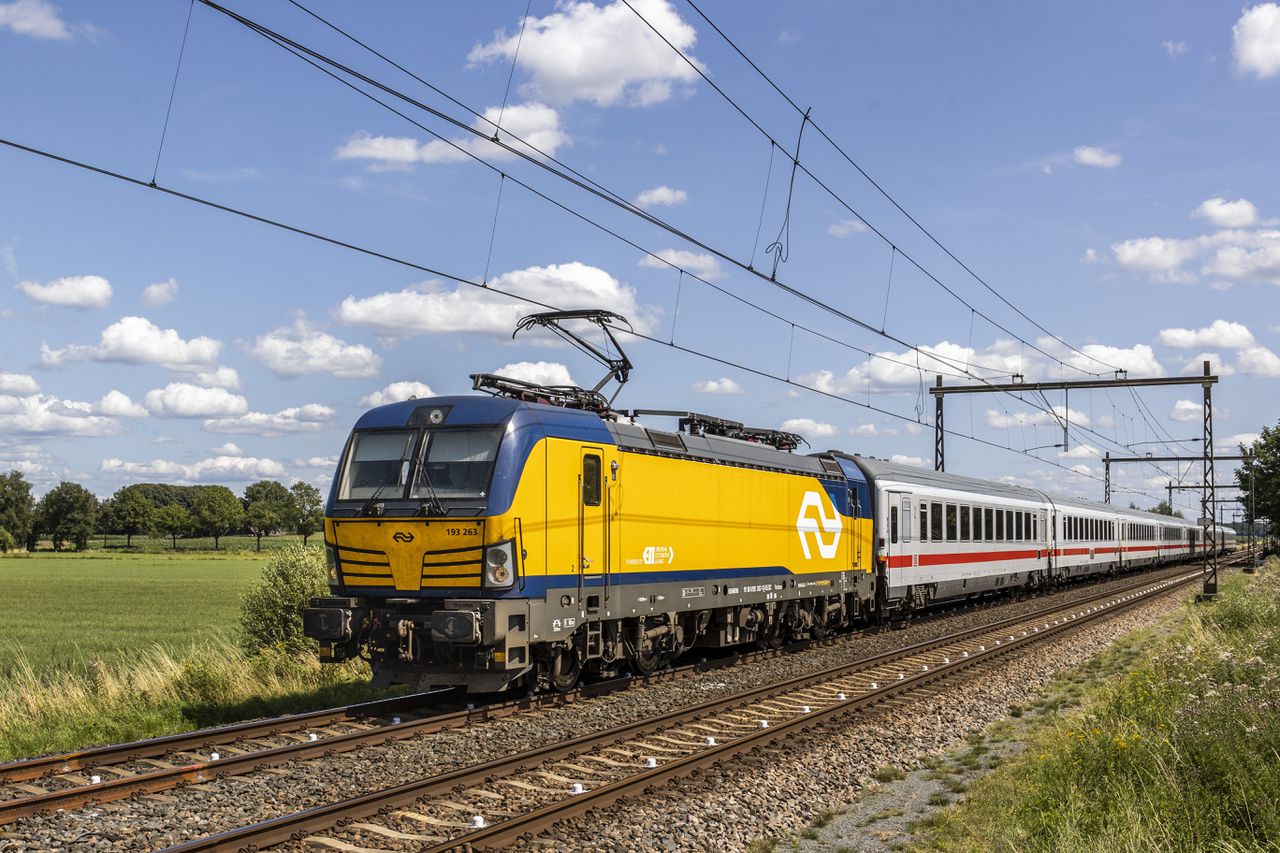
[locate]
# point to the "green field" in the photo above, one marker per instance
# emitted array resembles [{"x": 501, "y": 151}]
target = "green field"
[
  {"x": 110, "y": 647},
  {"x": 63, "y": 611}
]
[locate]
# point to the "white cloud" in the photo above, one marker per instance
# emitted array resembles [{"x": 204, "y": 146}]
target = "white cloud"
[
  {"x": 917, "y": 461},
  {"x": 329, "y": 462},
  {"x": 218, "y": 377},
  {"x": 217, "y": 469},
  {"x": 898, "y": 369},
  {"x": 1082, "y": 469},
  {"x": 1001, "y": 420},
  {"x": 1186, "y": 411},
  {"x": 1088, "y": 155},
  {"x": 1216, "y": 364},
  {"x": 473, "y": 309},
  {"x": 182, "y": 400},
  {"x": 1234, "y": 253},
  {"x": 1080, "y": 451},
  {"x": 663, "y": 196},
  {"x": 1159, "y": 257},
  {"x": 537, "y": 372},
  {"x": 1221, "y": 285},
  {"x": 17, "y": 383},
  {"x": 1256, "y": 44},
  {"x": 809, "y": 428},
  {"x": 846, "y": 227},
  {"x": 866, "y": 430},
  {"x": 35, "y": 18},
  {"x": 136, "y": 340},
  {"x": 1220, "y": 333},
  {"x": 603, "y": 54},
  {"x": 1090, "y": 256},
  {"x": 75, "y": 291},
  {"x": 40, "y": 414},
  {"x": 160, "y": 293},
  {"x": 116, "y": 404},
  {"x": 1175, "y": 49},
  {"x": 1258, "y": 361},
  {"x": 1232, "y": 443},
  {"x": 1106, "y": 421},
  {"x": 309, "y": 418},
  {"x": 701, "y": 264},
  {"x": 723, "y": 385},
  {"x": 536, "y": 125},
  {"x": 1227, "y": 214},
  {"x": 300, "y": 349},
  {"x": 1248, "y": 256},
  {"x": 1139, "y": 360},
  {"x": 228, "y": 449},
  {"x": 397, "y": 391}
]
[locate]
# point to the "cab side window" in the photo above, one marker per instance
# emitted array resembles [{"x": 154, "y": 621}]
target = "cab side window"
[{"x": 591, "y": 480}]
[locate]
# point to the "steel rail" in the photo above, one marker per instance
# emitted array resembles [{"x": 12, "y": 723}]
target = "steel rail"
[
  {"x": 300, "y": 824},
  {"x": 68, "y": 762},
  {"x": 525, "y": 826}
]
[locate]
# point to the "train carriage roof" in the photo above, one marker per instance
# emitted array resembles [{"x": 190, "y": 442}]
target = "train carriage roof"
[{"x": 913, "y": 475}]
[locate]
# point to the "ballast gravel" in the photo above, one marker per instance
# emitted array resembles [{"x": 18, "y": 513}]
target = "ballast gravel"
[
  {"x": 758, "y": 795},
  {"x": 772, "y": 792}
]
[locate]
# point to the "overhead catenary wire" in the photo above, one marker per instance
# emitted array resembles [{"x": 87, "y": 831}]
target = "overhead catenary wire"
[
  {"x": 173, "y": 90},
  {"x": 544, "y": 161},
  {"x": 967, "y": 374},
  {"x": 462, "y": 280},
  {"x": 841, "y": 201},
  {"x": 880, "y": 189}
]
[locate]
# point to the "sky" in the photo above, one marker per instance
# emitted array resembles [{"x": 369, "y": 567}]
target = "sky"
[{"x": 1101, "y": 180}]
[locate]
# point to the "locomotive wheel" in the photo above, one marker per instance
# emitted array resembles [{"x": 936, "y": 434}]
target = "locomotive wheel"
[
  {"x": 647, "y": 662},
  {"x": 563, "y": 670}
]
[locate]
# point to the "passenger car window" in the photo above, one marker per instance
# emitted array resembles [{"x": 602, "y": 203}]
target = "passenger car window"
[
  {"x": 964, "y": 524},
  {"x": 935, "y": 522},
  {"x": 893, "y": 524},
  {"x": 951, "y": 522},
  {"x": 988, "y": 524}
]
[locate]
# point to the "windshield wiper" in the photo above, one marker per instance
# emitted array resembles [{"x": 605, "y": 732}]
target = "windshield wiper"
[
  {"x": 377, "y": 493},
  {"x": 432, "y": 504}
]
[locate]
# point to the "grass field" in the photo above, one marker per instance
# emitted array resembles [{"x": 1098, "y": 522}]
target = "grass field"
[
  {"x": 62, "y": 611},
  {"x": 109, "y": 647}
]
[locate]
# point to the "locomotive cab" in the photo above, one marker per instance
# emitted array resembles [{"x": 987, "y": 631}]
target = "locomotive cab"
[{"x": 425, "y": 559}]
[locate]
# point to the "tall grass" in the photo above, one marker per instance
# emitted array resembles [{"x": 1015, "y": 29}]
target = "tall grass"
[
  {"x": 160, "y": 691},
  {"x": 1180, "y": 752}
]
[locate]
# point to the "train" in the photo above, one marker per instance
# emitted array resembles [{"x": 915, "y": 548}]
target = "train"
[{"x": 507, "y": 541}]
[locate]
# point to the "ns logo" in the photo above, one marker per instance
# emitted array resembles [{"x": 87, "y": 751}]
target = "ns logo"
[
  {"x": 403, "y": 537},
  {"x": 813, "y": 519}
]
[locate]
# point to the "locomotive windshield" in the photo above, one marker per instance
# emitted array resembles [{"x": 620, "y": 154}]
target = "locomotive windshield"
[{"x": 455, "y": 463}]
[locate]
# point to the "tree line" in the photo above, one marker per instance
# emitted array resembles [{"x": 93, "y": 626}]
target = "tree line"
[{"x": 69, "y": 514}]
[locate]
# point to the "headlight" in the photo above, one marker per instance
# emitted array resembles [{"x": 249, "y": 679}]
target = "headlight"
[
  {"x": 331, "y": 562},
  {"x": 500, "y": 565}
]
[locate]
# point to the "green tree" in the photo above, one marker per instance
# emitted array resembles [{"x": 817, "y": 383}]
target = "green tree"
[
  {"x": 271, "y": 611},
  {"x": 277, "y": 497},
  {"x": 1163, "y": 508},
  {"x": 6, "y": 541},
  {"x": 217, "y": 511},
  {"x": 262, "y": 520},
  {"x": 17, "y": 508},
  {"x": 173, "y": 520},
  {"x": 1259, "y": 477},
  {"x": 306, "y": 499},
  {"x": 68, "y": 513},
  {"x": 131, "y": 513}
]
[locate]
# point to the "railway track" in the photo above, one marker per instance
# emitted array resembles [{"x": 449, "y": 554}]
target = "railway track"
[
  {"x": 111, "y": 773},
  {"x": 498, "y": 802}
]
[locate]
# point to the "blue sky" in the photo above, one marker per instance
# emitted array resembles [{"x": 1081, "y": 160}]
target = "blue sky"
[{"x": 1110, "y": 169}]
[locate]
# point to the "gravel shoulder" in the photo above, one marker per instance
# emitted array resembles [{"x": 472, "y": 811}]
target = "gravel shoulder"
[{"x": 898, "y": 803}]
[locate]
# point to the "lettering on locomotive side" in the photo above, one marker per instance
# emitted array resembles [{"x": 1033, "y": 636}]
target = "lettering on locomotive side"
[
  {"x": 828, "y": 524},
  {"x": 693, "y": 592}
]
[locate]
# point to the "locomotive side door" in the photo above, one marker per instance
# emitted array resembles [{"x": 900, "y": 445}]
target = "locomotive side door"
[
  {"x": 898, "y": 526},
  {"x": 593, "y": 529}
]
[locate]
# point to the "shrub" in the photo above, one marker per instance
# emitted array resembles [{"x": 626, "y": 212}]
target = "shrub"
[
  {"x": 271, "y": 611},
  {"x": 6, "y": 541}
]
